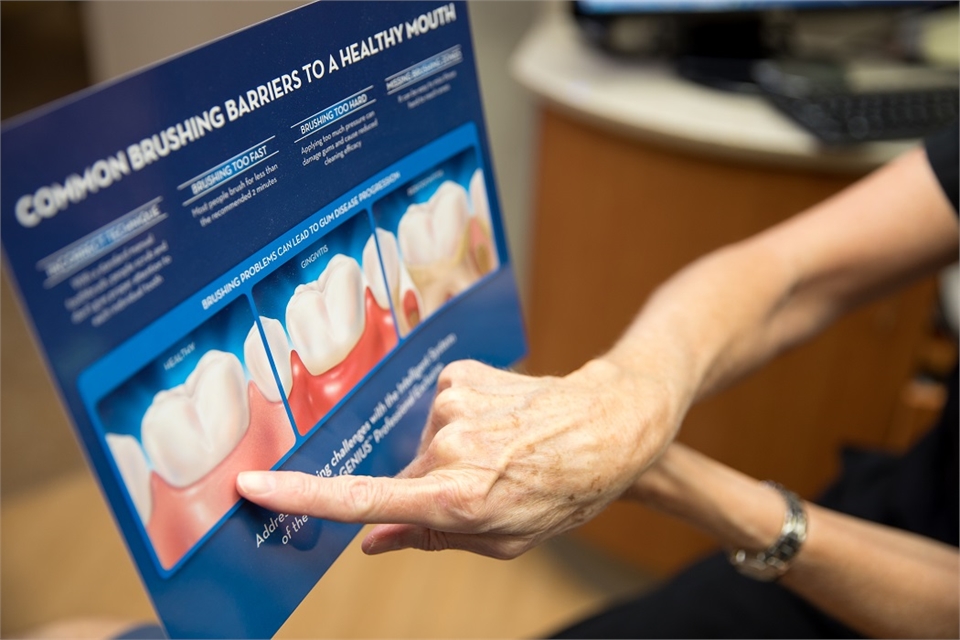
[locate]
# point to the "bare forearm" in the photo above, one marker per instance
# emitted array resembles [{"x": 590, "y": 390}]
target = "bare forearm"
[
  {"x": 709, "y": 324},
  {"x": 877, "y": 580},
  {"x": 731, "y": 311},
  {"x": 880, "y": 581}
]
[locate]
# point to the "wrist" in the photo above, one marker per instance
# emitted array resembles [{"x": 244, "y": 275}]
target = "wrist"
[
  {"x": 760, "y": 527},
  {"x": 599, "y": 371},
  {"x": 774, "y": 560},
  {"x": 640, "y": 411},
  {"x": 736, "y": 510},
  {"x": 660, "y": 395}
]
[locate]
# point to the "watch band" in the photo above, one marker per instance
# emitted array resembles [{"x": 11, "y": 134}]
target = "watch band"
[{"x": 773, "y": 562}]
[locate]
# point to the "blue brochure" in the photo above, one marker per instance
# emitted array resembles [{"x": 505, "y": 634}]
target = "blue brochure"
[{"x": 259, "y": 255}]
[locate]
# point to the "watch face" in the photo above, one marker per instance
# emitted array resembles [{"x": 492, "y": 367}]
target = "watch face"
[{"x": 771, "y": 564}]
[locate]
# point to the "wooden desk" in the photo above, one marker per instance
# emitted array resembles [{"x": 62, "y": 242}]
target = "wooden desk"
[{"x": 622, "y": 204}]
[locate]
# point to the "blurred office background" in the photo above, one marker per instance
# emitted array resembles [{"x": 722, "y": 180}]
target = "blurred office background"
[{"x": 613, "y": 171}]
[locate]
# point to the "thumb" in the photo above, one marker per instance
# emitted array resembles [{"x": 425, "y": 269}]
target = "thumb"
[{"x": 393, "y": 537}]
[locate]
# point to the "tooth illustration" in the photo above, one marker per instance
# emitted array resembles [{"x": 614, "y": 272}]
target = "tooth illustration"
[
  {"x": 478, "y": 198},
  {"x": 407, "y": 303},
  {"x": 434, "y": 231},
  {"x": 372, "y": 272},
  {"x": 433, "y": 241},
  {"x": 326, "y": 317},
  {"x": 182, "y": 516},
  {"x": 189, "y": 429},
  {"x": 255, "y": 356},
  {"x": 134, "y": 470},
  {"x": 482, "y": 251}
]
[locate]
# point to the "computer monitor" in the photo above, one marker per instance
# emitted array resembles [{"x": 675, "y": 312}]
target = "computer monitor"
[
  {"x": 715, "y": 42},
  {"x": 608, "y": 7}
]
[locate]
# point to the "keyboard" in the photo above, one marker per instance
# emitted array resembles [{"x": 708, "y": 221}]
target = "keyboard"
[
  {"x": 838, "y": 119},
  {"x": 876, "y": 104}
]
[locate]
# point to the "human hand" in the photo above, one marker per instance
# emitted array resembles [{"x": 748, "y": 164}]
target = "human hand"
[{"x": 505, "y": 462}]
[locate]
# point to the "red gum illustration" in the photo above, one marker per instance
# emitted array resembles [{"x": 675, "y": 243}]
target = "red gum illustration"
[
  {"x": 182, "y": 516},
  {"x": 312, "y": 397}
]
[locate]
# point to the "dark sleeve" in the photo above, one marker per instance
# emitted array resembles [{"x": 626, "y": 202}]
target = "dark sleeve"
[{"x": 943, "y": 149}]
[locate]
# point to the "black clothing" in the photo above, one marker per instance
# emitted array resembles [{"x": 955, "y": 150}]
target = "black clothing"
[
  {"x": 942, "y": 151},
  {"x": 711, "y": 600}
]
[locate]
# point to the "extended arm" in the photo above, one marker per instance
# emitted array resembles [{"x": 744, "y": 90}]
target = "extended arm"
[
  {"x": 508, "y": 460},
  {"x": 737, "y": 307},
  {"x": 880, "y": 581}
]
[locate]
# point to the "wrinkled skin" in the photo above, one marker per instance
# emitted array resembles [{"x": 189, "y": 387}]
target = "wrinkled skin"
[{"x": 505, "y": 462}]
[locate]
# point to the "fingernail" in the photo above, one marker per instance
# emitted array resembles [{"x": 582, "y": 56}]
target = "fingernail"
[{"x": 254, "y": 483}]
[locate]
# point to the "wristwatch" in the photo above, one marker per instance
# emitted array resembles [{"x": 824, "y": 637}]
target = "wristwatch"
[{"x": 770, "y": 564}]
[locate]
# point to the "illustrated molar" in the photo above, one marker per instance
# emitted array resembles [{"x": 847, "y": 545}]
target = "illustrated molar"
[
  {"x": 478, "y": 198},
  {"x": 183, "y": 515},
  {"x": 399, "y": 289},
  {"x": 190, "y": 428},
  {"x": 134, "y": 470},
  {"x": 258, "y": 363},
  {"x": 482, "y": 250},
  {"x": 433, "y": 240},
  {"x": 433, "y": 231},
  {"x": 325, "y": 318}
]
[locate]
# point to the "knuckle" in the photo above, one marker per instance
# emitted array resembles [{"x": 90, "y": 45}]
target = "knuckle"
[
  {"x": 443, "y": 408},
  {"x": 459, "y": 372},
  {"x": 451, "y": 403},
  {"x": 448, "y": 444},
  {"x": 466, "y": 503},
  {"x": 362, "y": 496},
  {"x": 460, "y": 367},
  {"x": 449, "y": 375}
]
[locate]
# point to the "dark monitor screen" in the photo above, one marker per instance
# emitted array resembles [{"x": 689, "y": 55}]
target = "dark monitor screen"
[
  {"x": 714, "y": 41},
  {"x": 620, "y": 7}
]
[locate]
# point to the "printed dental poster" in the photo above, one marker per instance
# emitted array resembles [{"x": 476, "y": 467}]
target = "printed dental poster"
[{"x": 259, "y": 255}]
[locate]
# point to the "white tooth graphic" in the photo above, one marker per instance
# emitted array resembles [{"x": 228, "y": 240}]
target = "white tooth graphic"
[
  {"x": 326, "y": 317},
  {"x": 433, "y": 239},
  {"x": 134, "y": 470},
  {"x": 189, "y": 429},
  {"x": 399, "y": 283},
  {"x": 481, "y": 234},
  {"x": 435, "y": 230},
  {"x": 372, "y": 271},
  {"x": 478, "y": 198},
  {"x": 255, "y": 356}
]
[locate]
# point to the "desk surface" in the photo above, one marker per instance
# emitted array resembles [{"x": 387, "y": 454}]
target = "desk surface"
[{"x": 648, "y": 101}]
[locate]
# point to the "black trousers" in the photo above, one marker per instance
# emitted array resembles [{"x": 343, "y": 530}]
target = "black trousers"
[
  {"x": 916, "y": 492},
  {"x": 711, "y": 600}
]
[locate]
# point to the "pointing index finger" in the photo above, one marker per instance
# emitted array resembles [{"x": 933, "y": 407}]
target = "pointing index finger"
[{"x": 359, "y": 499}]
